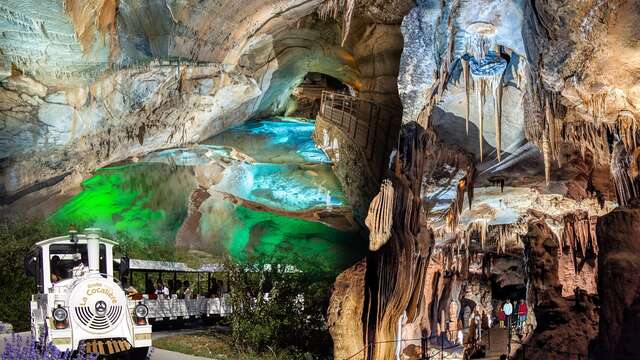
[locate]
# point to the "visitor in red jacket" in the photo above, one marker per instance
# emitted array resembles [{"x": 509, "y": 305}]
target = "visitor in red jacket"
[
  {"x": 500, "y": 316},
  {"x": 522, "y": 313}
]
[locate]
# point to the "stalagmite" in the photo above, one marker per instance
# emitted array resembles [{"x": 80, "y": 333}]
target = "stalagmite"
[{"x": 380, "y": 217}]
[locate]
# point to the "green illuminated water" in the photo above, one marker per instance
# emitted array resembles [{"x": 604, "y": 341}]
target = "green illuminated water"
[
  {"x": 143, "y": 202},
  {"x": 146, "y": 203}
]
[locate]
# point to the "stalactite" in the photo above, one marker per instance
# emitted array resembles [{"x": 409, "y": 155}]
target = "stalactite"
[
  {"x": 333, "y": 8},
  {"x": 487, "y": 72},
  {"x": 467, "y": 91},
  {"x": 596, "y": 104},
  {"x": 627, "y": 188},
  {"x": 626, "y": 128},
  {"x": 479, "y": 88},
  {"x": 380, "y": 217},
  {"x": 497, "y": 112},
  {"x": 579, "y": 235},
  {"x": 546, "y": 153},
  {"x": 550, "y": 121}
]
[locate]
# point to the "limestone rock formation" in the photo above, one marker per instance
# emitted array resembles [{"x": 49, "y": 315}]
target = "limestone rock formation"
[
  {"x": 618, "y": 284},
  {"x": 345, "y": 313}
]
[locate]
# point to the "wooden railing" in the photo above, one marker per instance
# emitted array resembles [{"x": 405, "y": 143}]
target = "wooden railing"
[{"x": 373, "y": 127}]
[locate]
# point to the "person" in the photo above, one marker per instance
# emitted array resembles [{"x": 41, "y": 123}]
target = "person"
[
  {"x": 171, "y": 286},
  {"x": 508, "y": 310},
  {"x": 148, "y": 287},
  {"x": 460, "y": 337},
  {"x": 179, "y": 289},
  {"x": 56, "y": 269},
  {"x": 500, "y": 316},
  {"x": 187, "y": 292},
  {"x": 478, "y": 324},
  {"x": 214, "y": 289},
  {"x": 522, "y": 313},
  {"x": 485, "y": 321},
  {"x": 128, "y": 289},
  {"x": 161, "y": 290}
]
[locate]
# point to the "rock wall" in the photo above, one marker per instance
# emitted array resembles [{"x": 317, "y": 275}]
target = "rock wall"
[
  {"x": 563, "y": 326},
  {"x": 357, "y": 176},
  {"x": 344, "y": 316},
  {"x": 619, "y": 284}
]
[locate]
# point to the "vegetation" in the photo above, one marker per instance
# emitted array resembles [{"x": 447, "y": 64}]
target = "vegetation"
[
  {"x": 16, "y": 240},
  {"x": 278, "y": 307},
  {"x": 215, "y": 346}
]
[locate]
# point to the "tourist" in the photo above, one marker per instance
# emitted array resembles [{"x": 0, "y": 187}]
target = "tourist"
[
  {"x": 128, "y": 289},
  {"x": 214, "y": 289},
  {"x": 477, "y": 319},
  {"x": 500, "y": 316},
  {"x": 161, "y": 290},
  {"x": 56, "y": 269},
  {"x": 148, "y": 287},
  {"x": 188, "y": 293},
  {"x": 485, "y": 321},
  {"x": 522, "y": 313},
  {"x": 179, "y": 289},
  {"x": 508, "y": 310}
]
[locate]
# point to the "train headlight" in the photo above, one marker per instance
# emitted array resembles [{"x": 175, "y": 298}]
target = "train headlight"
[
  {"x": 141, "y": 311},
  {"x": 60, "y": 314}
]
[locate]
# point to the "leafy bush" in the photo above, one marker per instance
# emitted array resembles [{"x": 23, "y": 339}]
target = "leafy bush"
[
  {"x": 276, "y": 308},
  {"x": 17, "y": 287}
]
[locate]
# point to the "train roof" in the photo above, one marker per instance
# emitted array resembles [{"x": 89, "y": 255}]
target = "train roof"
[
  {"x": 169, "y": 266},
  {"x": 66, "y": 239}
]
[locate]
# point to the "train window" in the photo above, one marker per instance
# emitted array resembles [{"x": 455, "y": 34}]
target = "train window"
[{"x": 63, "y": 258}]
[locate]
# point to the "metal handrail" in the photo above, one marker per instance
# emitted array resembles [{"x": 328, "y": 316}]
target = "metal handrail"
[
  {"x": 440, "y": 349},
  {"x": 367, "y": 123}
]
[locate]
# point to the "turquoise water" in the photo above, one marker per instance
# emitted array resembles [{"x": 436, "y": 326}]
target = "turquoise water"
[
  {"x": 279, "y": 141},
  {"x": 146, "y": 202}
]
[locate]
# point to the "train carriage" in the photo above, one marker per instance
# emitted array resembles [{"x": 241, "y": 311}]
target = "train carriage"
[{"x": 80, "y": 305}]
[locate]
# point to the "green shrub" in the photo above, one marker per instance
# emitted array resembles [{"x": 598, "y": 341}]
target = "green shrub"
[
  {"x": 16, "y": 238},
  {"x": 292, "y": 318}
]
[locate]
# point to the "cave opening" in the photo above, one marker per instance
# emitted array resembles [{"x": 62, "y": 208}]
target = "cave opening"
[
  {"x": 306, "y": 98},
  {"x": 508, "y": 292}
]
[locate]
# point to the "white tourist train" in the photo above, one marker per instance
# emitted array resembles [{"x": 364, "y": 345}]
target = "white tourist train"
[{"x": 80, "y": 305}]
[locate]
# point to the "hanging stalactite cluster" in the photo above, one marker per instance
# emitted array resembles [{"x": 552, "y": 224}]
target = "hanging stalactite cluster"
[
  {"x": 333, "y": 9},
  {"x": 482, "y": 70},
  {"x": 579, "y": 234}
]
